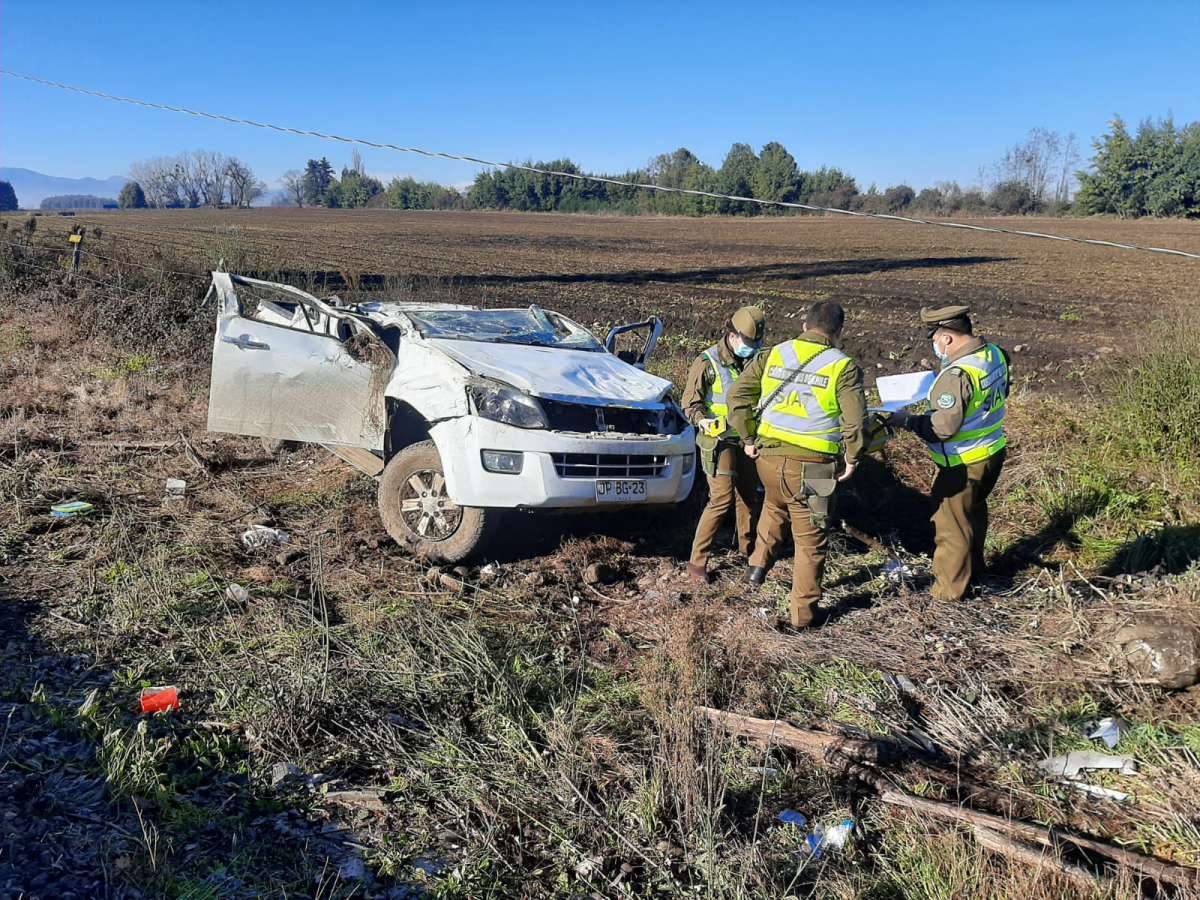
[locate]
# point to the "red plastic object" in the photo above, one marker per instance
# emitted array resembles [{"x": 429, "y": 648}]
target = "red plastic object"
[{"x": 160, "y": 699}]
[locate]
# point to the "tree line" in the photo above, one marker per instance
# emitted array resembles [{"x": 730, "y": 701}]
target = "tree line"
[
  {"x": 1034, "y": 176},
  {"x": 1152, "y": 171},
  {"x": 317, "y": 185},
  {"x": 192, "y": 179}
]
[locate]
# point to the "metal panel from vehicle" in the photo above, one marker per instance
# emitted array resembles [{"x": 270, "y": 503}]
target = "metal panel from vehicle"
[{"x": 274, "y": 381}]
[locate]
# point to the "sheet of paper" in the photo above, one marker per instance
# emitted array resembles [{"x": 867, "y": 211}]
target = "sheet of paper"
[{"x": 899, "y": 391}]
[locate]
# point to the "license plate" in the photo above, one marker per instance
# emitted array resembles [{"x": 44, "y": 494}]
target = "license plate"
[{"x": 613, "y": 490}]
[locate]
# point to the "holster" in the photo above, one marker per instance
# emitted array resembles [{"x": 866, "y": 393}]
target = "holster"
[
  {"x": 709, "y": 448},
  {"x": 819, "y": 482}
]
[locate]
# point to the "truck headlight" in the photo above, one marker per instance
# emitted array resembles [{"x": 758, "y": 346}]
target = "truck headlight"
[
  {"x": 501, "y": 403},
  {"x": 689, "y": 463}
]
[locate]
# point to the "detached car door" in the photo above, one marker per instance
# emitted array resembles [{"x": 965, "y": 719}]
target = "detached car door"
[{"x": 289, "y": 381}]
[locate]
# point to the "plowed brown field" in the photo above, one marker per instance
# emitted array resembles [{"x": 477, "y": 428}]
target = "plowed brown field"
[{"x": 1067, "y": 305}]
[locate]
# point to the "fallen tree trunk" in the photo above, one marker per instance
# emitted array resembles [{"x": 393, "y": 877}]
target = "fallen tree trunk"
[
  {"x": 817, "y": 744},
  {"x": 825, "y": 747},
  {"x": 1030, "y": 855}
]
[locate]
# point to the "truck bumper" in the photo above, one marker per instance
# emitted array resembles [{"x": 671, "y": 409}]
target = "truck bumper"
[{"x": 545, "y": 481}]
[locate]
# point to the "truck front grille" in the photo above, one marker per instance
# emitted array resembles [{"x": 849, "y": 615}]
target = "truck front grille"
[{"x": 608, "y": 465}]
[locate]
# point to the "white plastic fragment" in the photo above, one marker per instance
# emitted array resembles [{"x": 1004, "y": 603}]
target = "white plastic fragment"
[
  {"x": 237, "y": 594},
  {"x": 1095, "y": 790},
  {"x": 1071, "y": 764},
  {"x": 258, "y": 536},
  {"x": 1108, "y": 729},
  {"x": 176, "y": 489},
  {"x": 894, "y": 570}
]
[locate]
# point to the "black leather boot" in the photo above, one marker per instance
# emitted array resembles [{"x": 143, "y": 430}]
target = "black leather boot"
[{"x": 756, "y": 575}]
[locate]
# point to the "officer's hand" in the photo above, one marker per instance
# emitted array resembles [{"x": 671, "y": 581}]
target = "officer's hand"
[
  {"x": 751, "y": 451},
  {"x": 704, "y": 425},
  {"x": 848, "y": 472},
  {"x": 899, "y": 419}
]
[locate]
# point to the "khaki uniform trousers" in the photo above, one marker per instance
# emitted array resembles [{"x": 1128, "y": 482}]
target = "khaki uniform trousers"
[
  {"x": 783, "y": 481},
  {"x": 960, "y": 523},
  {"x": 738, "y": 489}
]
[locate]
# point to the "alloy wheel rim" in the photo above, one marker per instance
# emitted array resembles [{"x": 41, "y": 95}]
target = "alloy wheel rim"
[{"x": 426, "y": 508}]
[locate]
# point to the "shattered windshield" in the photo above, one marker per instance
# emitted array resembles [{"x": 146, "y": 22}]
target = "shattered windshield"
[{"x": 533, "y": 326}]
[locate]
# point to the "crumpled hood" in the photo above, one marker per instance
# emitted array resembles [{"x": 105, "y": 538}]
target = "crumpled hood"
[{"x": 576, "y": 376}]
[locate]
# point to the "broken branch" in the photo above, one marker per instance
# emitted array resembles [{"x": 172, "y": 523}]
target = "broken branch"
[{"x": 821, "y": 746}]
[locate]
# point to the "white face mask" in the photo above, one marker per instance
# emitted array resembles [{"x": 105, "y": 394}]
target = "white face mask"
[{"x": 941, "y": 354}]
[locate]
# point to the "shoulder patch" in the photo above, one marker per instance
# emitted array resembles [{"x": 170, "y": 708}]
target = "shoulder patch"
[{"x": 946, "y": 401}]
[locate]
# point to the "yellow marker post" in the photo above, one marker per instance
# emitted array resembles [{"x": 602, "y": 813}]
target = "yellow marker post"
[{"x": 76, "y": 241}]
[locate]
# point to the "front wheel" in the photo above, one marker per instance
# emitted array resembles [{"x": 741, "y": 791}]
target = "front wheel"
[{"x": 418, "y": 513}]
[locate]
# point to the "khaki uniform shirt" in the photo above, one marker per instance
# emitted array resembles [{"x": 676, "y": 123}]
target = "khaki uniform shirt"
[
  {"x": 700, "y": 379},
  {"x": 949, "y": 397},
  {"x": 743, "y": 408}
]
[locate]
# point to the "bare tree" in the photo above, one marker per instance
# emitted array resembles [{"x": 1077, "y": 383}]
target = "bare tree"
[
  {"x": 293, "y": 186},
  {"x": 1043, "y": 163},
  {"x": 1070, "y": 159},
  {"x": 356, "y": 162},
  {"x": 209, "y": 174},
  {"x": 185, "y": 177},
  {"x": 159, "y": 180},
  {"x": 244, "y": 188}
]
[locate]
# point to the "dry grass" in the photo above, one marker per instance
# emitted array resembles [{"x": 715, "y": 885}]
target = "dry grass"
[{"x": 532, "y": 735}]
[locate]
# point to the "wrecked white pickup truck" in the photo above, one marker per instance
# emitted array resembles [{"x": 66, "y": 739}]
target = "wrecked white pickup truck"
[{"x": 460, "y": 413}]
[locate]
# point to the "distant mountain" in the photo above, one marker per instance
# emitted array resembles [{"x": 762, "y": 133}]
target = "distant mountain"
[{"x": 32, "y": 187}]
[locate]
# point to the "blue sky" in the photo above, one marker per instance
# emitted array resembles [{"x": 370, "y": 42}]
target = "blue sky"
[{"x": 914, "y": 92}]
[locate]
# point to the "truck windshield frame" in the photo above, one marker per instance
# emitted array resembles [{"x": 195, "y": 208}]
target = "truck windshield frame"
[{"x": 531, "y": 326}]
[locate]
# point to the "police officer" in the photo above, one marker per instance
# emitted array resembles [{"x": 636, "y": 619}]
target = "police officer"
[
  {"x": 732, "y": 478},
  {"x": 965, "y": 434},
  {"x": 803, "y": 405}
]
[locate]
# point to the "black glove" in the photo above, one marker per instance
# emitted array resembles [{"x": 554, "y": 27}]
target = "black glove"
[{"x": 899, "y": 419}]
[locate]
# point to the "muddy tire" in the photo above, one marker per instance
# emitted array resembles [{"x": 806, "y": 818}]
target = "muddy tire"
[{"x": 419, "y": 515}]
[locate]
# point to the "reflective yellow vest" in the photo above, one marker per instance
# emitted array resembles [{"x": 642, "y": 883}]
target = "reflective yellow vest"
[
  {"x": 724, "y": 377},
  {"x": 982, "y": 431},
  {"x": 799, "y": 404}
]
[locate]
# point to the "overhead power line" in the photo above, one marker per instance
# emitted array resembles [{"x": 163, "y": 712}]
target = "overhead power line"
[{"x": 577, "y": 176}]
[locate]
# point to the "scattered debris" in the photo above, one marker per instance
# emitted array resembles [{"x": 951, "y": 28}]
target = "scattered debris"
[
  {"x": 176, "y": 489},
  {"x": 1158, "y": 651},
  {"x": 260, "y": 536},
  {"x": 1096, "y": 790},
  {"x": 160, "y": 699},
  {"x": 361, "y": 798},
  {"x": 70, "y": 509},
  {"x": 791, "y": 817},
  {"x": 825, "y": 748},
  {"x": 285, "y": 775},
  {"x": 237, "y": 594},
  {"x": 1071, "y": 764},
  {"x": 1108, "y": 730},
  {"x": 894, "y": 570},
  {"x": 834, "y": 838},
  {"x": 1020, "y": 348},
  {"x": 764, "y": 771},
  {"x": 488, "y": 572},
  {"x": 901, "y": 683}
]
